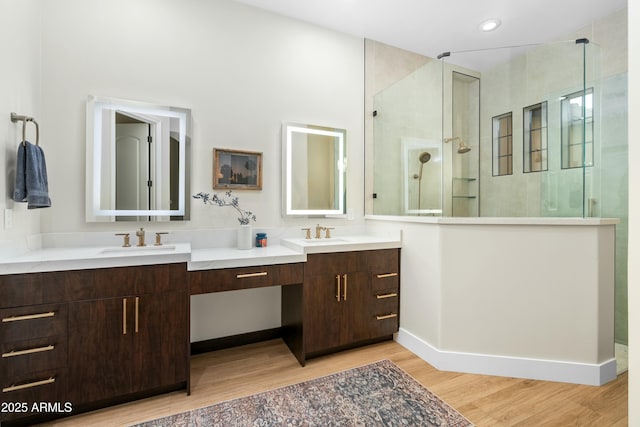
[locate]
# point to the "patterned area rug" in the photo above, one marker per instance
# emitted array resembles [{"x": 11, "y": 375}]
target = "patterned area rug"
[{"x": 380, "y": 394}]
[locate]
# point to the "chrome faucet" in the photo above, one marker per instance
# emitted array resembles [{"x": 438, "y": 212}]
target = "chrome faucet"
[{"x": 140, "y": 236}]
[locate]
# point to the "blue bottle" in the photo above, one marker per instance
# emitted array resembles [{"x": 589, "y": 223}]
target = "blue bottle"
[{"x": 261, "y": 240}]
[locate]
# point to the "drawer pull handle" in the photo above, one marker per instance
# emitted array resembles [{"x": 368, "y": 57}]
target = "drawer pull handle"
[
  {"x": 244, "y": 276},
  {"x": 383, "y": 276},
  {"x": 28, "y": 385},
  {"x": 344, "y": 290},
  {"x": 137, "y": 314},
  {"x": 338, "y": 287},
  {"x": 28, "y": 317},
  {"x": 383, "y": 296},
  {"x": 386, "y": 316},
  {"x": 124, "y": 316},
  {"x": 29, "y": 351}
]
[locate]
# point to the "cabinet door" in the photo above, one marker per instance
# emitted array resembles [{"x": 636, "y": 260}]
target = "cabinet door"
[
  {"x": 159, "y": 331},
  {"x": 101, "y": 349},
  {"x": 337, "y": 312},
  {"x": 324, "y": 318},
  {"x": 357, "y": 313}
]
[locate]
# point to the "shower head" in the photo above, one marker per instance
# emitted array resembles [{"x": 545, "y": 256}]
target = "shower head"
[
  {"x": 463, "y": 148},
  {"x": 424, "y": 157}
]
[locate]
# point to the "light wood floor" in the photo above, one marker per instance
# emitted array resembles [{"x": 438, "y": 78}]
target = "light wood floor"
[{"x": 484, "y": 400}]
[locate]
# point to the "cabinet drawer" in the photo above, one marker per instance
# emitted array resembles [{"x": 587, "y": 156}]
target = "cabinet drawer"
[
  {"x": 38, "y": 321},
  {"x": 335, "y": 263},
  {"x": 21, "y": 393},
  {"x": 230, "y": 279},
  {"x": 388, "y": 299},
  {"x": 160, "y": 278},
  {"x": 382, "y": 283},
  {"x": 122, "y": 281},
  {"x": 27, "y": 289},
  {"x": 385, "y": 323},
  {"x": 383, "y": 261},
  {"x": 290, "y": 274},
  {"x": 23, "y": 357},
  {"x": 385, "y": 309},
  {"x": 384, "y": 303}
]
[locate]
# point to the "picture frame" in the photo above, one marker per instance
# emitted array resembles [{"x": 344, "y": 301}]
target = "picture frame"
[{"x": 237, "y": 169}]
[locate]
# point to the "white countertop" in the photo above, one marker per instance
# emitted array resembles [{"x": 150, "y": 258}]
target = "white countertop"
[
  {"x": 82, "y": 258},
  {"x": 213, "y": 258},
  {"x": 60, "y": 254},
  {"x": 342, "y": 243},
  {"x": 289, "y": 251},
  {"x": 445, "y": 220}
]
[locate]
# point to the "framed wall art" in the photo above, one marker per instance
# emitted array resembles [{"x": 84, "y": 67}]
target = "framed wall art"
[{"x": 237, "y": 169}]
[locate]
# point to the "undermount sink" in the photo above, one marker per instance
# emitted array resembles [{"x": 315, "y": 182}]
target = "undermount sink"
[
  {"x": 139, "y": 249},
  {"x": 325, "y": 240}
]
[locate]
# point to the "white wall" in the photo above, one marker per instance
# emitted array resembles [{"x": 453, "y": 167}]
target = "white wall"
[
  {"x": 20, "y": 93},
  {"x": 512, "y": 290},
  {"x": 242, "y": 71},
  {"x": 634, "y": 215}
]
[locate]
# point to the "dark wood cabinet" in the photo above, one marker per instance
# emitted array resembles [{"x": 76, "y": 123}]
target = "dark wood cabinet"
[
  {"x": 231, "y": 279},
  {"x": 347, "y": 299},
  {"x": 133, "y": 342},
  {"x": 161, "y": 343},
  {"x": 334, "y": 315},
  {"x": 383, "y": 301},
  {"x": 94, "y": 338},
  {"x": 33, "y": 342},
  {"x": 101, "y": 353}
]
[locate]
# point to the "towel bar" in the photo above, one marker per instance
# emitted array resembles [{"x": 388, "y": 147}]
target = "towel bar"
[{"x": 17, "y": 117}]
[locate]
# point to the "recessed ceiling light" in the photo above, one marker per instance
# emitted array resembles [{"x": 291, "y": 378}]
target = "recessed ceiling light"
[{"x": 490, "y": 24}]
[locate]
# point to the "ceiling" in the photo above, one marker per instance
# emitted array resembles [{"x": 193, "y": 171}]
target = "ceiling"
[{"x": 430, "y": 27}]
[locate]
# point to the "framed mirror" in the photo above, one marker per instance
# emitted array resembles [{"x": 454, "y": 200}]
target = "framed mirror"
[
  {"x": 137, "y": 160},
  {"x": 314, "y": 160}
]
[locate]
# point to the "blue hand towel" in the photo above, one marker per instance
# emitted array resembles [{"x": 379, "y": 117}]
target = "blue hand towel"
[{"x": 31, "y": 177}]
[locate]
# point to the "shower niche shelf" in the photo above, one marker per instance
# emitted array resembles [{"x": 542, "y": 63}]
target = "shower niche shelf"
[{"x": 461, "y": 189}]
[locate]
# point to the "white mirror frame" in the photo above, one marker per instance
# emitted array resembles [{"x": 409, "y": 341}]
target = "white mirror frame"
[
  {"x": 287, "y": 132},
  {"x": 95, "y": 107}
]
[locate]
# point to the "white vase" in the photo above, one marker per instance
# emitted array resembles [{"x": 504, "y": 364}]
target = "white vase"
[{"x": 245, "y": 240}]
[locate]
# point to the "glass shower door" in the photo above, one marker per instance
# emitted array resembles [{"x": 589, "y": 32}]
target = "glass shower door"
[{"x": 407, "y": 148}]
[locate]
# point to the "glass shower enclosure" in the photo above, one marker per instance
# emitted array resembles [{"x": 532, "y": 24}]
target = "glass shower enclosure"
[
  {"x": 508, "y": 132},
  {"x": 525, "y": 131}
]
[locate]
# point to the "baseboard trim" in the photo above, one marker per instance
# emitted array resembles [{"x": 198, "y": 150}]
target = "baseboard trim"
[
  {"x": 505, "y": 366},
  {"x": 214, "y": 344}
]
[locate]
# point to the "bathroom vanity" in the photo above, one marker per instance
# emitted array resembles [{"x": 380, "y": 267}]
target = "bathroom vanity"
[
  {"x": 83, "y": 339},
  {"x": 348, "y": 298},
  {"x": 114, "y": 325}
]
